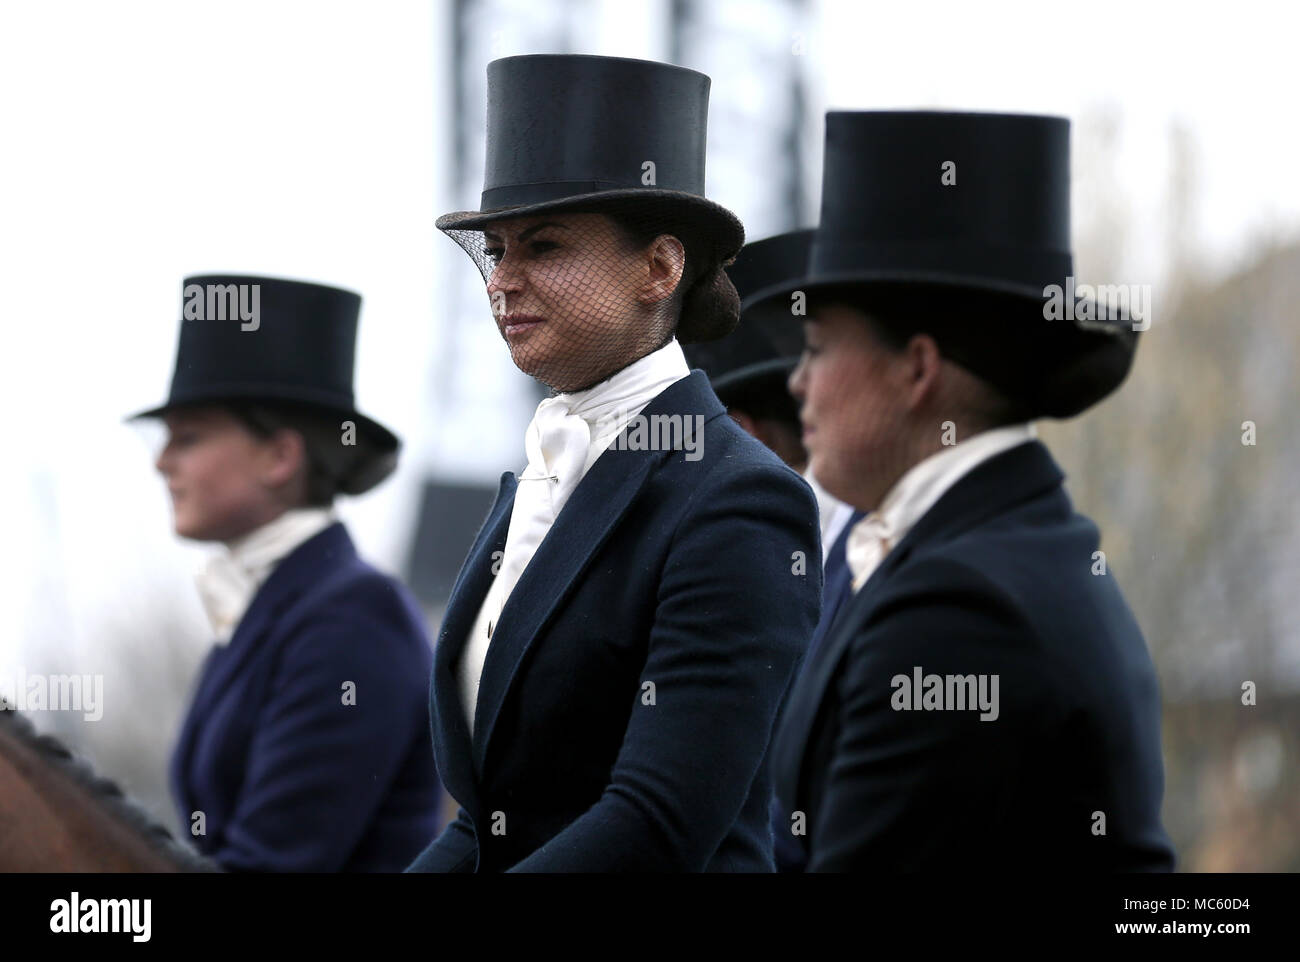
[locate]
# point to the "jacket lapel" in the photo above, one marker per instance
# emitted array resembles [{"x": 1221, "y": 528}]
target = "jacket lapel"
[
  {"x": 992, "y": 487},
  {"x": 583, "y": 526},
  {"x": 451, "y": 747},
  {"x": 299, "y": 569}
]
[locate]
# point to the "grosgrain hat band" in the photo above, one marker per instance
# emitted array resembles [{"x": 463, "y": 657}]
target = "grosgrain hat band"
[
  {"x": 519, "y": 195},
  {"x": 1019, "y": 266}
]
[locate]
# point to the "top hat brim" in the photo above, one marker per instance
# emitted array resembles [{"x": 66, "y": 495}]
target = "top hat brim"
[
  {"x": 768, "y": 296},
  {"x": 376, "y": 468},
  {"x": 771, "y": 373},
  {"x": 1077, "y": 363},
  {"x": 715, "y": 227},
  {"x": 885, "y": 280}
]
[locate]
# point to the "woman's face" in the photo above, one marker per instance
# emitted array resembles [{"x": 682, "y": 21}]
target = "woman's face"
[
  {"x": 851, "y": 390},
  {"x": 224, "y": 480},
  {"x": 574, "y": 300}
]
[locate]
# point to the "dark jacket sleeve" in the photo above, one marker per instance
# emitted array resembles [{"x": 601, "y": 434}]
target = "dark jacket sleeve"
[
  {"x": 455, "y": 850},
  {"x": 319, "y": 768},
  {"x": 909, "y": 789},
  {"x": 739, "y": 596}
]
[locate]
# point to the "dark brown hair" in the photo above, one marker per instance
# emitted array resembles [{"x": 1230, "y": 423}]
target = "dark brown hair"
[
  {"x": 705, "y": 303},
  {"x": 328, "y": 460}
]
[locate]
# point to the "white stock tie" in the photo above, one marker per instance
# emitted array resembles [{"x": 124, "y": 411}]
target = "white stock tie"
[
  {"x": 568, "y": 433},
  {"x": 869, "y": 541},
  {"x": 232, "y": 576},
  {"x": 556, "y": 443},
  {"x": 225, "y": 588}
]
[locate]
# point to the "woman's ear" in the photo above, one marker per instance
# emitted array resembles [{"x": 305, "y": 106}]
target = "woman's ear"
[
  {"x": 922, "y": 368},
  {"x": 285, "y": 458},
  {"x": 666, "y": 260}
]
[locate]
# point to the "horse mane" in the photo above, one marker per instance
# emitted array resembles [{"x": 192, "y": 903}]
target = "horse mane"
[{"x": 107, "y": 793}]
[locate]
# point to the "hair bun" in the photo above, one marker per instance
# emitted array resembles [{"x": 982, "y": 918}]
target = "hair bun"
[{"x": 710, "y": 308}]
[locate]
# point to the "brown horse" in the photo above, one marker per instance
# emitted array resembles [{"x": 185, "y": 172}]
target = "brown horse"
[{"x": 57, "y": 815}]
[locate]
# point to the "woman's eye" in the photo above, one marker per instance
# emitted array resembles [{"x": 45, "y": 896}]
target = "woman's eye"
[{"x": 494, "y": 254}]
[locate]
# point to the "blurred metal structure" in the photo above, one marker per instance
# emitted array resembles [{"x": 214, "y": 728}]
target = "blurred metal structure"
[{"x": 758, "y": 156}]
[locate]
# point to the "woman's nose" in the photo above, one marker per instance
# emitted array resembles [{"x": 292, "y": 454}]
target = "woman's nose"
[
  {"x": 506, "y": 276},
  {"x": 797, "y": 378}
]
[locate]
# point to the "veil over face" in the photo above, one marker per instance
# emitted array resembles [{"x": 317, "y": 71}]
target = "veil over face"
[
  {"x": 593, "y": 233},
  {"x": 577, "y": 296}
]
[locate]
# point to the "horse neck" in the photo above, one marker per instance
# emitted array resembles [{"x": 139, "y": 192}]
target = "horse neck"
[{"x": 56, "y": 824}]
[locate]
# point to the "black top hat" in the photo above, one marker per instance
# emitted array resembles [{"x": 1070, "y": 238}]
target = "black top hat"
[
  {"x": 280, "y": 342},
  {"x": 757, "y": 357},
  {"x": 966, "y": 216},
  {"x": 574, "y": 131}
]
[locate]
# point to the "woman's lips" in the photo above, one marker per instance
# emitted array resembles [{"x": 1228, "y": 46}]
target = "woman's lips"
[{"x": 515, "y": 324}]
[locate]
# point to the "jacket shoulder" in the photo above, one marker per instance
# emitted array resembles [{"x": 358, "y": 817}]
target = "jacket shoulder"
[
  {"x": 360, "y": 596},
  {"x": 1021, "y": 590},
  {"x": 730, "y": 452}
]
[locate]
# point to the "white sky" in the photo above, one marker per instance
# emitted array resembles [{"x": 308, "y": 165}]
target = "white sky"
[
  {"x": 1226, "y": 71},
  {"x": 144, "y": 141}
]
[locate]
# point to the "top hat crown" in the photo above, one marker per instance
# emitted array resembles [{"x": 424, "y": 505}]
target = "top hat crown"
[
  {"x": 964, "y": 219},
  {"x": 968, "y": 199},
  {"x": 274, "y": 341},
  {"x": 582, "y": 132}
]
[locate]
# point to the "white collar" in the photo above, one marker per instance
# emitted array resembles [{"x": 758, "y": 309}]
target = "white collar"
[
  {"x": 258, "y": 551},
  {"x": 917, "y": 491},
  {"x": 608, "y": 406},
  {"x": 926, "y": 481},
  {"x": 232, "y": 576},
  {"x": 632, "y": 388}
]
